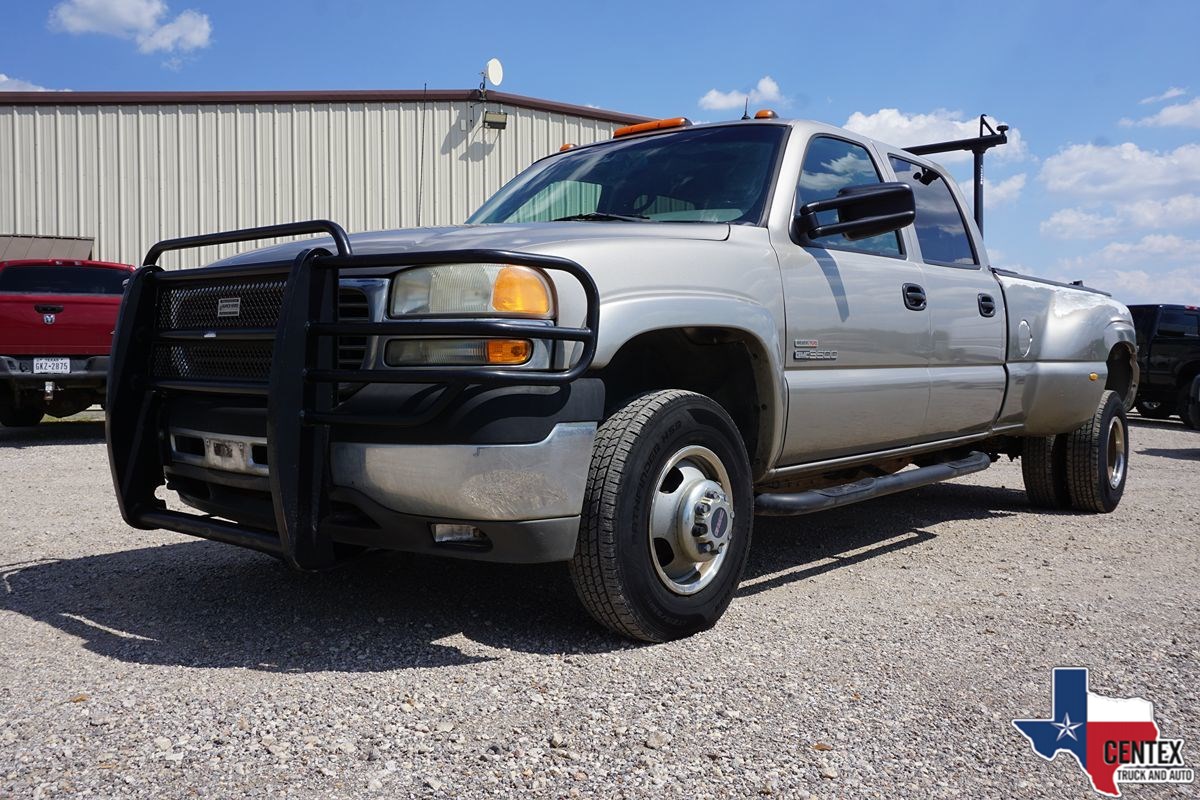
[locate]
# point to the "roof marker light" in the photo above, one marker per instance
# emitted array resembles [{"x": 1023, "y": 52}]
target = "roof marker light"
[
  {"x": 765, "y": 113},
  {"x": 653, "y": 125}
]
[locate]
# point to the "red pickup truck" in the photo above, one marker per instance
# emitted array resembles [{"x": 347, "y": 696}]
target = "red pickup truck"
[{"x": 56, "y": 324}]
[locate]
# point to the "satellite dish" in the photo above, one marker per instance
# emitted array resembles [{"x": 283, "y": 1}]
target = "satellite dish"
[{"x": 494, "y": 71}]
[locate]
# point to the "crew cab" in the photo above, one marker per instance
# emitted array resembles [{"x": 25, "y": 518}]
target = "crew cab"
[
  {"x": 629, "y": 351},
  {"x": 56, "y": 325},
  {"x": 1168, "y": 338}
]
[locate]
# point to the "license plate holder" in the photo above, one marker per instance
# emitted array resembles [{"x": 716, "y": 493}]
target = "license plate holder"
[{"x": 52, "y": 366}]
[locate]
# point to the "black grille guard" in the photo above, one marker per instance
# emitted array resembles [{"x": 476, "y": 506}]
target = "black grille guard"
[{"x": 301, "y": 393}]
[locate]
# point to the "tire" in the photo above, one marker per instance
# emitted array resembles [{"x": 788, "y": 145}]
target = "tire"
[
  {"x": 20, "y": 416},
  {"x": 1044, "y": 468},
  {"x": 1188, "y": 406},
  {"x": 667, "y": 518},
  {"x": 1153, "y": 409},
  {"x": 1097, "y": 458}
]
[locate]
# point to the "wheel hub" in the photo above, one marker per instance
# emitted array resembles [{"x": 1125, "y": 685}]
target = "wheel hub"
[
  {"x": 705, "y": 520},
  {"x": 691, "y": 520},
  {"x": 1116, "y": 454}
]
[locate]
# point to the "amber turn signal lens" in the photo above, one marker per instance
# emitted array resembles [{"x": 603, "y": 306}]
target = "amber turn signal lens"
[
  {"x": 508, "y": 351},
  {"x": 765, "y": 113},
  {"x": 521, "y": 290}
]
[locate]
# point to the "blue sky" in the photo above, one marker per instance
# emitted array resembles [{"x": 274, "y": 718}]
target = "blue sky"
[{"x": 1104, "y": 97}]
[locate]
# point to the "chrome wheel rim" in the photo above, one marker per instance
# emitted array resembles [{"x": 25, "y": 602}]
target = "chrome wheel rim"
[
  {"x": 1116, "y": 452},
  {"x": 691, "y": 520}
]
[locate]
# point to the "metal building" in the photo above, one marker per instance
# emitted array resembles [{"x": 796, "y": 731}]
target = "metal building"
[{"x": 128, "y": 169}]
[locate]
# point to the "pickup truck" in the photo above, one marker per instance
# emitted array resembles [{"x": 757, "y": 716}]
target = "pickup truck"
[
  {"x": 624, "y": 355},
  {"x": 1168, "y": 338},
  {"x": 56, "y": 325}
]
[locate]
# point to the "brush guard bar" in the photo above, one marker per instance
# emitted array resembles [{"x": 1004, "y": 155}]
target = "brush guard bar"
[{"x": 301, "y": 391}]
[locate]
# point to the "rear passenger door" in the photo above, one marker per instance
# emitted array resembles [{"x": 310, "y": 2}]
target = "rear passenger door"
[{"x": 966, "y": 311}]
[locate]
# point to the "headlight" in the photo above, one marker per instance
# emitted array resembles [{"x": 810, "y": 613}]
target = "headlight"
[{"x": 483, "y": 289}]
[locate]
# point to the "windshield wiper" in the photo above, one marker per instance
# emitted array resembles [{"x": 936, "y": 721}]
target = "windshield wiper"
[{"x": 600, "y": 216}]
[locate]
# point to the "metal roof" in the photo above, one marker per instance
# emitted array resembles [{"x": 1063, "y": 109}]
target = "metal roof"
[{"x": 323, "y": 96}]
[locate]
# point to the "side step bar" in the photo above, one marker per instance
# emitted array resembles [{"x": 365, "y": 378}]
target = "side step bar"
[{"x": 787, "y": 505}]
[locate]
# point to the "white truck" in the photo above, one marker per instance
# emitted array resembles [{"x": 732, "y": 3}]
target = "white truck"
[{"x": 624, "y": 355}]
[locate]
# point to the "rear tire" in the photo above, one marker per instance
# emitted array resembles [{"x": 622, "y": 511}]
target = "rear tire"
[
  {"x": 1189, "y": 406},
  {"x": 1153, "y": 409},
  {"x": 666, "y": 518},
  {"x": 20, "y": 416},
  {"x": 1044, "y": 468},
  {"x": 1097, "y": 458}
]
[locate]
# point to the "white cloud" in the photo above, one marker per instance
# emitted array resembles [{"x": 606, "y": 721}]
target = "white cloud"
[
  {"x": 8, "y": 84},
  {"x": 1123, "y": 170},
  {"x": 1075, "y": 223},
  {"x": 995, "y": 194},
  {"x": 765, "y": 91},
  {"x": 1120, "y": 268},
  {"x": 1186, "y": 115},
  {"x": 144, "y": 21},
  {"x": 1139, "y": 286},
  {"x": 1169, "y": 94},
  {"x": 1183, "y": 209},
  {"x": 189, "y": 31},
  {"x": 905, "y": 130},
  {"x": 1147, "y": 214}
]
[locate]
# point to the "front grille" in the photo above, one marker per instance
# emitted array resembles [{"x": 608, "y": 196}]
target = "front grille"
[
  {"x": 195, "y": 305},
  {"x": 209, "y": 361}
]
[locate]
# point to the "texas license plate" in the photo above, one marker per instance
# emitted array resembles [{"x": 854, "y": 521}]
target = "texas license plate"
[{"x": 52, "y": 366}]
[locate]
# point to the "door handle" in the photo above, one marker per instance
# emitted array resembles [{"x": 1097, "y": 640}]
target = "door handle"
[
  {"x": 914, "y": 297},
  {"x": 987, "y": 305},
  {"x": 47, "y": 309}
]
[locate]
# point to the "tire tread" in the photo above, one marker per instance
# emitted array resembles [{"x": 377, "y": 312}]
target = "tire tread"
[
  {"x": 594, "y": 567},
  {"x": 1084, "y": 460}
]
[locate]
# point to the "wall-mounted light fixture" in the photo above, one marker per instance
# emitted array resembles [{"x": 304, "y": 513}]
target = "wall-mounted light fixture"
[{"x": 497, "y": 120}]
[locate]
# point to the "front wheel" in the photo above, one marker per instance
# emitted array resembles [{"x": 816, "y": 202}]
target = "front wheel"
[
  {"x": 666, "y": 519},
  {"x": 1097, "y": 458}
]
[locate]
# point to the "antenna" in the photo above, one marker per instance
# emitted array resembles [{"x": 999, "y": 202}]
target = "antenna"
[
  {"x": 746, "y": 111},
  {"x": 493, "y": 73}
]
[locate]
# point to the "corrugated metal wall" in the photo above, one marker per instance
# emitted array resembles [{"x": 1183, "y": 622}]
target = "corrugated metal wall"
[{"x": 129, "y": 175}]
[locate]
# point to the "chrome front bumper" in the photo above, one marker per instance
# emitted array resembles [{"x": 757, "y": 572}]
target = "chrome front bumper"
[{"x": 542, "y": 480}]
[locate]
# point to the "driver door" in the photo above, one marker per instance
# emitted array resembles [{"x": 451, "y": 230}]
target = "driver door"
[{"x": 858, "y": 343}]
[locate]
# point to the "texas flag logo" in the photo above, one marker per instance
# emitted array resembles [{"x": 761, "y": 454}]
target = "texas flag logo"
[{"x": 1115, "y": 740}]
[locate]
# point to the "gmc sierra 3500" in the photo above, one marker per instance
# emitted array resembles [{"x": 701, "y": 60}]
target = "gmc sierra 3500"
[{"x": 629, "y": 351}]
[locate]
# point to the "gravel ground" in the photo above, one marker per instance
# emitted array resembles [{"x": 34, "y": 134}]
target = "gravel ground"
[{"x": 875, "y": 651}]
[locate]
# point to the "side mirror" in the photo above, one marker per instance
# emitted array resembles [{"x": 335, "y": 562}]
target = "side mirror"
[{"x": 863, "y": 211}]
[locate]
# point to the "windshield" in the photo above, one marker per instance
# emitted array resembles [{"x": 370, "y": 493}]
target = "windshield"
[
  {"x": 58, "y": 279},
  {"x": 718, "y": 174}
]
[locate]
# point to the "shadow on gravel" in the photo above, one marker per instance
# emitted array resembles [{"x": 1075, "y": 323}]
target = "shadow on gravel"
[
  {"x": 200, "y": 604},
  {"x": 847, "y": 536},
  {"x": 55, "y": 432},
  {"x": 1187, "y": 454}
]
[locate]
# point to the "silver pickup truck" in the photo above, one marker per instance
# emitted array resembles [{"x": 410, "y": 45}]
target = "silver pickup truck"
[{"x": 629, "y": 351}]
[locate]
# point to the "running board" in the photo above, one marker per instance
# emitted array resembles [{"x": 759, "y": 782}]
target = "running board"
[{"x": 788, "y": 505}]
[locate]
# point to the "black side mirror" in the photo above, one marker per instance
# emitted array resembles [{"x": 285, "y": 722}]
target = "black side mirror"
[{"x": 863, "y": 211}]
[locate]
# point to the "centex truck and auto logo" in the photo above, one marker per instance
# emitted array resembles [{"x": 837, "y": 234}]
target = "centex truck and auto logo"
[{"x": 1115, "y": 740}]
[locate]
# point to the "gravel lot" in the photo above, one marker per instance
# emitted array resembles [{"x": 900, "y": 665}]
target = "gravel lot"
[{"x": 875, "y": 651}]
